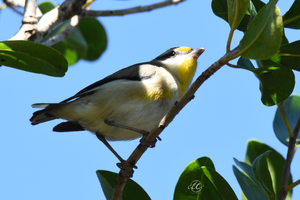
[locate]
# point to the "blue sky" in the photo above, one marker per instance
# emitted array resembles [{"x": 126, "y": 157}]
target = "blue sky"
[{"x": 37, "y": 163}]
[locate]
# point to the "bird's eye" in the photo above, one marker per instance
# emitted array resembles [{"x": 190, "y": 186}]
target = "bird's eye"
[{"x": 166, "y": 55}]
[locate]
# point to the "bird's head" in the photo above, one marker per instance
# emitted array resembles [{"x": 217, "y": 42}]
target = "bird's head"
[{"x": 181, "y": 62}]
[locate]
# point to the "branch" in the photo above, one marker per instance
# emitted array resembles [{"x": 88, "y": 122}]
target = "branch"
[
  {"x": 138, "y": 9},
  {"x": 63, "y": 35},
  {"x": 29, "y": 21},
  {"x": 51, "y": 20},
  {"x": 69, "y": 8},
  {"x": 142, "y": 147},
  {"x": 15, "y": 3},
  {"x": 287, "y": 167},
  {"x": 56, "y": 16}
]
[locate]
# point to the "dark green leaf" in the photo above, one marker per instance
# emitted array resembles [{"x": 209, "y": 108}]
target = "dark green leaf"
[
  {"x": 277, "y": 83},
  {"x": 264, "y": 34},
  {"x": 251, "y": 190},
  {"x": 46, "y": 6},
  {"x": 74, "y": 47},
  {"x": 219, "y": 183},
  {"x": 191, "y": 181},
  {"x": 132, "y": 190},
  {"x": 288, "y": 55},
  {"x": 284, "y": 39},
  {"x": 32, "y": 57},
  {"x": 258, "y": 4},
  {"x": 291, "y": 18},
  {"x": 252, "y": 11},
  {"x": 248, "y": 170},
  {"x": 275, "y": 161},
  {"x": 220, "y": 9},
  {"x": 262, "y": 174},
  {"x": 236, "y": 11},
  {"x": 291, "y": 107},
  {"x": 95, "y": 37},
  {"x": 245, "y": 63}
]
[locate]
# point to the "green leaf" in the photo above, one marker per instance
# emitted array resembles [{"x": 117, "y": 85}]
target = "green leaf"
[
  {"x": 245, "y": 63},
  {"x": 288, "y": 55},
  {"x": 248, "y": 170},
  {"x": 191, "y": 180},
  {"x": 252, "y": 11},
  {"x": 277, "y": 83},
  {"x": 32, "y": 57},
  {"x": 220, "y": 185},
  {"x": 291, "y": 18},
  {"x": 291, "y": 107},
  {"x": 249, "y": 187},
  {"x": 275, "y": 161},
  {"x": 95, "y": 37},
  {"x": 46, "y": 6},
  {"x": 264, "y": 34},
  {"x": 220, "y": 9},
  {"x": 262, "y": 174},
  {"x": 132, "y": 190},
  {"x": 258, "y": 4},
  {"x": 74, "y": 47},
  {"x": 236, "y": 11}
]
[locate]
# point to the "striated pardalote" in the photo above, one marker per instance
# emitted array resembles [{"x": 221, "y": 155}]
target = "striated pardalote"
[{"x": 137, "y": 96}]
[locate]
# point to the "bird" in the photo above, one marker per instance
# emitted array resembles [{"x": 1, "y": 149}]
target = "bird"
[{"x": 134, "y": 98}]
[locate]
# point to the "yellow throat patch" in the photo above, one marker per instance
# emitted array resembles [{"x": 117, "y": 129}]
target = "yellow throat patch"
[{"x": 186, "y": 72}]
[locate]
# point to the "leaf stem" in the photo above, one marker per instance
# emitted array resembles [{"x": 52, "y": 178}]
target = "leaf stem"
[
  {"x": 233, "y": 66},
  {"x": 286, "y": 22},
  {"x": 290, "y": 187},
  {"x": 286, "y": 121},
  {"x": 229, "y": 40}
]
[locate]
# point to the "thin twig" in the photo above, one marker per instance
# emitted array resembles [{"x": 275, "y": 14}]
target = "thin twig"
[
  {"x": 138, "y": 9},
  {"x": 64, "y": 34},
  {"x": 287, "y": 167},
  {"x": 141, "y": 148}
]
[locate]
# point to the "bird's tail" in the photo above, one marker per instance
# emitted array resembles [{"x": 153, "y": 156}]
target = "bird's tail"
[{"x": 43, "y": 115}]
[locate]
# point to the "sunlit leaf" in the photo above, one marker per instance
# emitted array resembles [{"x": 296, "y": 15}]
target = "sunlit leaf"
[
  {"x": 264, "y": 34},
  {"x": 192, "y": 180},
  {"x": 32, "y": 57},
  {"x": 262, "y": 174},
  {"x": 221, "y": 186}
]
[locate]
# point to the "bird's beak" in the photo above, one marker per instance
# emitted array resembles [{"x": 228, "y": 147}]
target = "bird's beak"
[{"x": 197, "y": 52}]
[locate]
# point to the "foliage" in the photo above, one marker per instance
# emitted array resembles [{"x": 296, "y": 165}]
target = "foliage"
[
  {"x": 87, "y": 41},
  {"x": 264, "y": 42}
]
